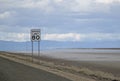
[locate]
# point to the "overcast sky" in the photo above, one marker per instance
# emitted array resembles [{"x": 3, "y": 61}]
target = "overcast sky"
[{"x": 60, "y": 20}]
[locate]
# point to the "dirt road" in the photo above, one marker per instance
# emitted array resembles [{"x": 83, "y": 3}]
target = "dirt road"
[{"x": 12, "y": 71}]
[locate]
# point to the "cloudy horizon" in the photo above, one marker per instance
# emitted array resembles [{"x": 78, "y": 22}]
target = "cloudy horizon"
[{"x": 60, "y": 20}]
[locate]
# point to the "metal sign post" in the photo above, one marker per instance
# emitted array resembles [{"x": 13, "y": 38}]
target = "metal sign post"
[
  {"x": 35, "y": 37},
  {"x": 32, "y": 51}
]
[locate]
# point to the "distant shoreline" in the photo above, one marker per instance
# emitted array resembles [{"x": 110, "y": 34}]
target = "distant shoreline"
[{"x": 93, "y": 48}]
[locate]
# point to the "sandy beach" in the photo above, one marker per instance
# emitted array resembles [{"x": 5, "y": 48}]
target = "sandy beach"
[{"x": 72, "y": 70}]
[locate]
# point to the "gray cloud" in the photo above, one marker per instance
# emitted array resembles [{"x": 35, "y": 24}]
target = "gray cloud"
[{"x": 60, "y": 16}]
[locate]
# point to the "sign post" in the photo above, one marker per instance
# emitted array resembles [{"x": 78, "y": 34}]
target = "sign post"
[{"x": 35, "y": 37}]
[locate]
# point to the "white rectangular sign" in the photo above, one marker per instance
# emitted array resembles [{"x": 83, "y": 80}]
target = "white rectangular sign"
[{"x": 35, "y": 35}]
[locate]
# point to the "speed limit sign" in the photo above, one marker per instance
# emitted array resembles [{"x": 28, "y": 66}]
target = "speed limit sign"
[{"x": 35, "y": 35}]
